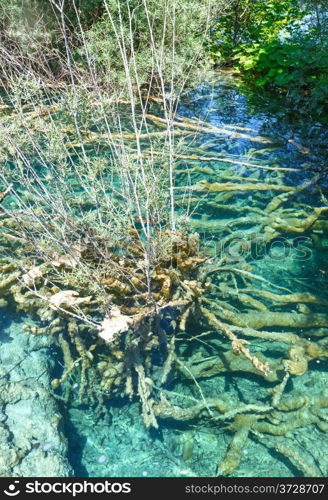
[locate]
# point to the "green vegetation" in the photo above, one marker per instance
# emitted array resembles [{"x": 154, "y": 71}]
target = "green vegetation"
[
  {"x": 280, "y": 44},
  {"x": 103, "y": 40}
]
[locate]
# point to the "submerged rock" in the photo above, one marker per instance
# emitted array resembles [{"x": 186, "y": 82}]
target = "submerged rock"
[{"x": 30, "y": 420}]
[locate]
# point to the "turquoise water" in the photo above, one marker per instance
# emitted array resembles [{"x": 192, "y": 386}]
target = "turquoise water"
[{"x": 234, "y": 225}]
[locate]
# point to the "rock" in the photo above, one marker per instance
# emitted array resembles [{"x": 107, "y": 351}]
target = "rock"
[{"x": 29, "y": 415}]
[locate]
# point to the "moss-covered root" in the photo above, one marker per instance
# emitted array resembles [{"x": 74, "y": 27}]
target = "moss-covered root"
[{"x": 242, "y": 424}]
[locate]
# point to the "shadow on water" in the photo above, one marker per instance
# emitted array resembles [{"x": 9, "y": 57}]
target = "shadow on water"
[{"x": 76, "y": 444}]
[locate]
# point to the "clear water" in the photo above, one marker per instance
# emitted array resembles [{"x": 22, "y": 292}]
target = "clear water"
[{"x": 118, "y": 444}]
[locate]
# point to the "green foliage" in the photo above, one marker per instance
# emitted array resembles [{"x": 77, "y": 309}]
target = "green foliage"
[
  {"x": 250, "y": 21},
  {"x": 281, "y": 44},
  {"x": 300, "y": 71},
  {"x": 159, "y": 38},
  {"x": 106, "y": 41},
  {"x": 84, "y": 12}
]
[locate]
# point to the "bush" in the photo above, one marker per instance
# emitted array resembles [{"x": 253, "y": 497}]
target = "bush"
[
  {"x": 281, "y": 45},
  {"x": 300, "y": 71},
  {"x": 158, "y": 37}
]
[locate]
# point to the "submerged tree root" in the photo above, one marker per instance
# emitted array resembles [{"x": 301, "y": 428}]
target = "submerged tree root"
[
  {"x": 123, "y": 363},
  {"x": 126, "y": 330}
]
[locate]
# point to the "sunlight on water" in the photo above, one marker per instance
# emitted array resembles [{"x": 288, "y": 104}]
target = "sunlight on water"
[{"x": 249, "y": 180}]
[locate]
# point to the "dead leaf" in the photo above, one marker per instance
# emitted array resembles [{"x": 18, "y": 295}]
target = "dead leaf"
[
  {"x": 32, "y": 275},
  {"x": 67, "y": 298},
  {"x": 114, "y": 323}
]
